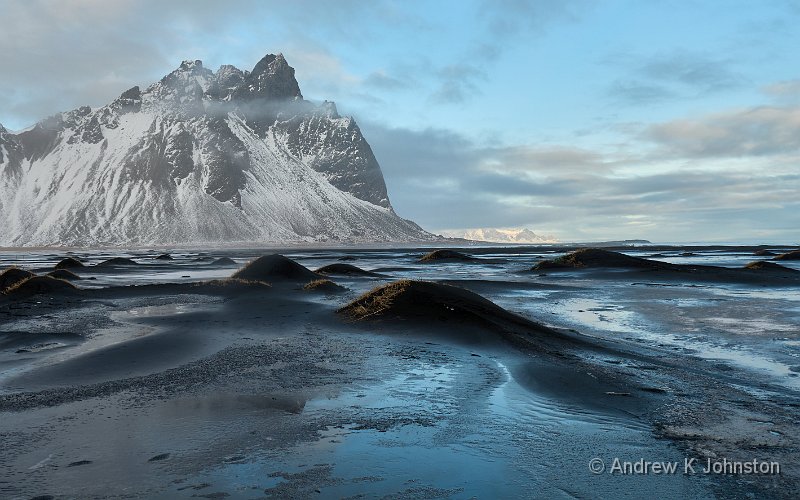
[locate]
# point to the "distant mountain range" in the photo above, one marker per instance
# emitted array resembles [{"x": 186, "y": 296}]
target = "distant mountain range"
[
  {"x": 494, "y": 235},
  {"x": 228, "y": 157}
]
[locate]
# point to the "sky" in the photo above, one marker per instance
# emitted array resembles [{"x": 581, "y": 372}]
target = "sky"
[{"x": 666, "y": 120}]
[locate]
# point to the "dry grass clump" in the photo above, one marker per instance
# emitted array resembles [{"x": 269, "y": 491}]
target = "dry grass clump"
[
  {"x": 40, "y": 284},
  {"x": 233, "y": 282},
  {"x": 595, "y": 257},
  {"x": 64, "y": 274},
  {"x": 409, "y": 298},
  {"x": 322, "y": 285},
  {"x": 793, "y": 255},
  {"x": 762, "y": 265}
]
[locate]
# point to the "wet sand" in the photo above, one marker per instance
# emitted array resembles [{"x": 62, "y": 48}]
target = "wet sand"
[{"x": 148, "y": 381}]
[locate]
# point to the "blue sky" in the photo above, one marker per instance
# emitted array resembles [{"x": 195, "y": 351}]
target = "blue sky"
[{"x": 665, "y": 120}]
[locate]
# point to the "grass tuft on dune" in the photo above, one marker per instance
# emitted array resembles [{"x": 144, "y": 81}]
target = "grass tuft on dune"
[
  {"x": 13, "y": 276},
  {"x": 64, "y": 274},
  {"x": 322, "y": 285},
  {"x": 596, "y": 257},
  {"x": 793, "y": 255},
  {"x": 39, "y": 284}
]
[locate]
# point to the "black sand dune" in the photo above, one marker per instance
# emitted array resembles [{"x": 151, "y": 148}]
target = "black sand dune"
[
  {"x": 793, "y": 255},
  {"x": 345, "y": 270},
  {"x": 323, "y": 285},
  {"x": 69, "y": 263},
  {"x": 64, "y": 274},
  {"x": 276, "y": 268},
  {"x": 222, "y": 261},
  {"x": 227, "y": 284},
  {"x": 593, "y": 258},
  {"x": 446, "y": 255},
  {"x": 246, "y": 365},
  {"x": 346, "y": 258},
  {"x": 764, "y": 253},
  {"x": 118, "y": 261},
  {"x": 164, "y": 256},
  {"x": 39, "y": 284},
  {"x": 427, "y": 301},
  {"x": 12, "y": 276},
  {"x": 763, "y": 265}
]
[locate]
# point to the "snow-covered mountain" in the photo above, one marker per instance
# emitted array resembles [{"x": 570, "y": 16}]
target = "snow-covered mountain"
[
  {"x": 197, "y": 157},
  {"x": 494, "y": 235}
]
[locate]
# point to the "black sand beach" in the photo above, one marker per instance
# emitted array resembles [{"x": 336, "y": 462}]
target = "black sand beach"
[{"x": 482, "y": 374}]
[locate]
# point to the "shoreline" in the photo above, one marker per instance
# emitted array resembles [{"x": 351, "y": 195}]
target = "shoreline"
[{"x": 254, "y": 384}]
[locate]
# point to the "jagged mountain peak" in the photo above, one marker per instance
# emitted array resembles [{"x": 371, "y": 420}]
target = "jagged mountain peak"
[
  {"x": 191, "y": 65},
  {"x": 197, "y": 157},
  {"x": 271, "y": 79}
]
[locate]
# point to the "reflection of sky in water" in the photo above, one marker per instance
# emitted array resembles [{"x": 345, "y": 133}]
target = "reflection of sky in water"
[
  {"x": 512, "y": 445},
  {"x": 752, "y": 327}
]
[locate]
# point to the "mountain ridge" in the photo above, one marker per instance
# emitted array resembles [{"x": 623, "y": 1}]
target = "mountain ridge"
[
  {"x": 501, "y": 235},
  {"x": 227, "y": 157}
]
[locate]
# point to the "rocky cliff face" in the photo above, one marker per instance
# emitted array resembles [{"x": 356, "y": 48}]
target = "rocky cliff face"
[{"x": 197, "y": 157}]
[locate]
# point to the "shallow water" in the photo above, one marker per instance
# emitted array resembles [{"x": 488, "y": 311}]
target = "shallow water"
[
  {"x": 503, "y": 442},
  {"x": 431, "y": 426},
  {"x": 751, "y": 327}
]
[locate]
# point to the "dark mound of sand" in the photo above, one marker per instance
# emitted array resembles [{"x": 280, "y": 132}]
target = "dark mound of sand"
[
  {"x": 118, "y": 261},
  {"x": 345, "y": 269},
  {"x": 12, "y": 276},
  {"x": 39, "y": 284},
  {"x": 223, "y": 261},
  {"x": 164, "y": 256},
  {"x": 424, "y": 300},
  {"x": 793, "y": 255},
  {"x": 760, "y": 265},
  {"x": 595, "y": 257},
  {"x": 323, "y": 286},
  {"x": 202, "y": 259},
  {"x": 763, "y": 253},
  {"x": 275, "y": 268},
  {"x": 444, "y": 255},
  {"x": 229, "y": 283},
  {"x": 63, "y": 274},
  {"x": 69, "y": 263},
  {"x": 346, "y": 258}
]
